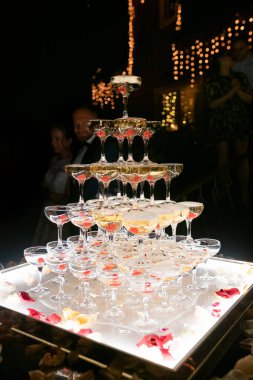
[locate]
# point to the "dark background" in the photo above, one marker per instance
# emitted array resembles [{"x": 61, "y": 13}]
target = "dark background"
[{"x": 49, "y": 52}]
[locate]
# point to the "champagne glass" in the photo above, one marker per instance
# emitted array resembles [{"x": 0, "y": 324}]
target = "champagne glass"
[
  {"x": 82, "y": 218},
  {"x": 59, "y": 264},
  {"x": 156, "y": 172},
  {"x": 113, "y": 275},
  {"x": 195, "y": 209},
  {"x": 124, "y": 85},
  {"x": 140, "y": 223},
  {"x": 134, "y": 174},
  {"x": 105, "y": 173},
  {"x": 129, "y": 128},
  {"x": 181, "y": 213},
  {"x": 147, "y": 133},
  {"x": 84, "y": 268},
  {"x": 81, "y": 173},
  {"x": 208, "y": 247},
  {"x": 36, "y": 256},
  {"x": 109, "y": 218},
  {"x": 173, "y": 171},
  {"x": 103, "y": 129},
  {"x": 145, "y": 281},
  {"x": 57, "y": 214}
]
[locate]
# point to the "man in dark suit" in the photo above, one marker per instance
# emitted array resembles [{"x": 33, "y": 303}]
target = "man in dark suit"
[{"x": 88, "y": 151}]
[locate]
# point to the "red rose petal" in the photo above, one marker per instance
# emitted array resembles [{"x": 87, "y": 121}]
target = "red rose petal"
[
  {"x": 26, "y": 297},
  {"x": 227, "y": 293},
  {"x": 36, "y": 314},
  {"x": 84, "y": 332},
  {"x": 53, "y": 318}
]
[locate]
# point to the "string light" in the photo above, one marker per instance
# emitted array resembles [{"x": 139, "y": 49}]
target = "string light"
[
  {"x": 102, "y": 92},
  {"x": 179, "y": 17},
  {"x": 169, "y": 102},
  {"x": 193, "y": 61}
]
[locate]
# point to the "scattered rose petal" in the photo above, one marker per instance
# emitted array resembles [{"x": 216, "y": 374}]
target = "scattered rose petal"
[
  {"x": 36, "y": 314},
  {"x": 26, "y": 297},
  {"x": 84, "y": 332},
  {"x": 228, "y": 293},
  {"x": 215, "y": 304},
  {"x": 53, "y": 318},
  {"x": 216, "y": 313}
]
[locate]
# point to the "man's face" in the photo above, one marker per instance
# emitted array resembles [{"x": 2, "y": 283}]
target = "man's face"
[
  {"x": 80, "y": 123},
  {"x": 240, "y": 50}
]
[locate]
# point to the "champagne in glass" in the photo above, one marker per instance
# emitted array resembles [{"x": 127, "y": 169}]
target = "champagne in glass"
[
  {"x": 134, "y": 174},
  {"x": 173, "y": 171},
  {"x": 36, "y": 256},
  {"x": 105, "y": 173},
  {"x": 80, "y": 172},
  {"x": 124, "y": 85},
  {"x": 103, "y": 129},
  {"x": 156, "y": 172},
  {"x": 195, "y": 209}
]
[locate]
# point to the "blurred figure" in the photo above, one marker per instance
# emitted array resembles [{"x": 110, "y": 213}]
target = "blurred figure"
[
  {"x": 228, "y": 96},
  {"x": 243, "y": 58},
  {"x": 54, "y": 185}
]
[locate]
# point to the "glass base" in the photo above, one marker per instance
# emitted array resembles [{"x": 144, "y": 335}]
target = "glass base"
[
  {"x": 146, "y": 326},
  {"x": 61, "y": 299},
  {"x": 114, "y": 313},
  {"x": 39, "y": 291},
  {"x": 87, "y": 308}
]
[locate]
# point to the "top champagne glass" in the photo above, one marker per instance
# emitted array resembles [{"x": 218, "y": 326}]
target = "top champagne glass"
[{"x": 124, "y": 85}]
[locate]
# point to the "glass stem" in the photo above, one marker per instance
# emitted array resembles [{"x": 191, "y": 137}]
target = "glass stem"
[
  {"x": 134, "y": 190},
  {"x": 81, "y": 186},
  {"x": 110, "y": 246},
  {"x": 174, "y": 230},
  {"x": 61, "y": 291},
  {"x": 145, "y": 314},
  {"x": 40, "y": 277},
  {"x": 140, "y": 249},
  {"x": 152, "y": 193},
  {"x": 59, "y": 230},
  {"x": 188, "y": 225},
  {"x": 125, "y": 101},
  {"x": 167, "y": 183},
  {"x": 130, "y": 154},
  {"x": 120, "y": 142},
  {"x": 194, "y": 276},
  {"x": 145, "y": 157},
  {"x": 85, "y": 240},
  {"x": 102, "y": 158},
  {"x": 206, "y": 269},
  {"x": 85, "y": 292},
  {"x": 142, "y": 195},
  {"x": 180, "y": 284}
]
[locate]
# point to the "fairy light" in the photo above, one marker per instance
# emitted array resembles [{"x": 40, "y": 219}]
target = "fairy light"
[
  {"x": 195, "y": 60},
  {"x": 179, "y": 17},
  {"x": 102, "y": 93},
  {"x": 169, "y": 102}
]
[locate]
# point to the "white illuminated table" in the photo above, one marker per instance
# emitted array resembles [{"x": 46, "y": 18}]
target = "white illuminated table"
[{"x": 202, "y": 323}]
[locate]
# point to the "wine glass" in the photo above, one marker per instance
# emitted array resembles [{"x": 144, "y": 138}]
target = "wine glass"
[
  {"x": 129, "y": 128},
  {"x": 59, "y": 264},
  {"x": 173, "y": 171},
  {"x": 113, "y": 275},
  {"x": 81, "y": 173},
  {"x": 105, "y": 173},
  {"x": 181, "y": 213},
  {"x": 103, "y": 129},
  {"x": 140, "y": 222},
  {"x": 124, "y": 85},
  {"x": 195, "y": 209},
  {"x": 82, "y": 218},
  {"x": 84, "y": 268},
  {"x": 145, "y": 281},
  {"x": 109, "y": 219},
  {"x": 156, "y": 172},
  {"x": 146, "y": 134},
  {"x": 57, "y": 214},
  {"x": 36, "y": 256},
  {"x": 134, "y": 174},
  {"x": 208, "y": 247}
]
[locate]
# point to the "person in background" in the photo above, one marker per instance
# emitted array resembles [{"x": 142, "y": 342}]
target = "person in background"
[
  {"x": 54, "y": 187},
  {"x": 243, "y": 58},
  {"x": 228, "y": 96}
]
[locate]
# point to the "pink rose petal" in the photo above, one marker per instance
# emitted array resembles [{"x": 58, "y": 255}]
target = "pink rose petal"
[
  {"x": 215, "y": 304},
  {"x": 153, "y": 340},
  {"x": 26, "y": 297}
]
